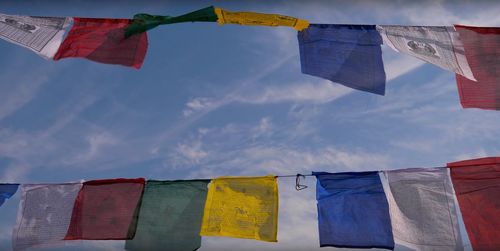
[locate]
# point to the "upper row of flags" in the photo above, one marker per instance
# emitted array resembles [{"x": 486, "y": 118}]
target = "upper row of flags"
[
  {"x": 350, "y": 55},
  {"x": 416, "y": 208}
]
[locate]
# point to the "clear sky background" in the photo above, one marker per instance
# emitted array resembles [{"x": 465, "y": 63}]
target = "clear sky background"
[{"x": 230, "y": 100}]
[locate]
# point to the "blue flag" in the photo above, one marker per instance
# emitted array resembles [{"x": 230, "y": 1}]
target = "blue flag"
[
  {"x": 346, "y": 54},
  {"x": 6, "y": 191},
  {"x": 353, "y": 211}
]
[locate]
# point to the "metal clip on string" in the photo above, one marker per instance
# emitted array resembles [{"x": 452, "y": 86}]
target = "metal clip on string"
[{"x": 299, "y": 186}]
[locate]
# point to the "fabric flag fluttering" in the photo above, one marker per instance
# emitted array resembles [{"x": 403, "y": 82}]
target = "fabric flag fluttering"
[
  {"x": 44, "y": 215},
  {"x": 144, "y": 22},
  {"x": 422, "y": 209},
  {"x": 438, "y": 45},
  {"x": 6, "y": 191},
  {"x": 346, "y": 54},
  {"x": 170, "y": 216},
  {"x": 477, "y": 187},
  {"x": 242, "y": 207},
  {"x": 353, "y": 211},
  {"x": 482, "y": 49},
  {"x": 263, "y": 19},
  {"x": 103, "y": 40},
  {"x": 106, "y": 210},
  {"x": 43, "y": 35}
]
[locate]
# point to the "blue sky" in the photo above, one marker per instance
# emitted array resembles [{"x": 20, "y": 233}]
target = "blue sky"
[{"x": 230, "y": 100}]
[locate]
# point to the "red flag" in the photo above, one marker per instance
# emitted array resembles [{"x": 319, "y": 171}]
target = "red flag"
[
  {"x": 482, "y": 49},
  {"x": 106, "y": 210},
  {"x": 103, "y": 40},
  {"x": 477, "y": 186}
]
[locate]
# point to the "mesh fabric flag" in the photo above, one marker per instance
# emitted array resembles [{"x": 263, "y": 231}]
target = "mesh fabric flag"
[
  {"x": 253, "y": 18},
  {"x": 242, "y": 207},
  {"x": 477, "y": 186},
  {"x": 438, "y": 45},
  {"x": 345, "y": 54},
  {"x": 106, "y": 210},
  {"x": 353, "y": 211},
  {"x": 143, "y": 22},
  {"x": 170, "y": 216},
  {"x": 103, "y": 40},
  {"x": 482, "y": 48},
  {"x": 6, "y": 191},
  {"x": 44, "y": 215},
  {"x": 423, "y": 214},
  {"x": 43, "y": 35}
]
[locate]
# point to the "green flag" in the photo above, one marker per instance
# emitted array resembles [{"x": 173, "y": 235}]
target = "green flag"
[
  {"x": 170, "y": 216},
  {"x": 144, "y": 22}
]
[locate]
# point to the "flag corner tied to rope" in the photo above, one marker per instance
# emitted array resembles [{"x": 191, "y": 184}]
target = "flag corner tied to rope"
[
  {"x": 477, "y": 187},
  {"x": 44, "y": 215},
  {"x": 242, "y": 207},
  {"x": 346, "y": 54},
  {"x": 103, "y": 40},
  {"x": 261, "y": 19},
  {"x": 422, "y": 209},
  {"x": 438, "y": 45},
  {"x": 143, "y": 22},
  {"x": 42, "y": 35},
  {"x": 482, "y": 49},
  {"x": 353, "y": 211},
  {"x": 106, "y": 210},
  {"x": 7, "y": 191},
  {"x": 170, "y": 216}
]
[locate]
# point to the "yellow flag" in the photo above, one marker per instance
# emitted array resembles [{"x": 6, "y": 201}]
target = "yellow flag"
[
  {"x": 253, "y": 18},
  {"x": 242, "y": 207}
]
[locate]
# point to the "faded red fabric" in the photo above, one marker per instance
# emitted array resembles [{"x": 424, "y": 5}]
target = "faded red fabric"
[
  {"x": 103, "y": 40},
  {"x": 477, "y": 186},
  {"x": 482, "y": 50},
  {"x": 106, "y": 210}
]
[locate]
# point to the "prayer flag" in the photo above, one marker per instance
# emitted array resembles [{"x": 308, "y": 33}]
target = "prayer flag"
[
  {"x": 170, "y": 216},
  {"x": 482, "y": 49},
  {"x": 422, "y": 209},
  {"x": 242, "y": 207},
  {"x": 43, "y": 35},
  {"x": 103, "y": 40},
  {"x": 144, "y": 22},
  {"x": 353, "y": 211},
  {"x": 253, "y": 18},
  {"x": 346, "y": 54},
  {"x": 106, "y": 210},
  {"x": 438, "y": 45},
  {"x": 477, "y": 186},
  {"x": 6, "y": 191},
  {"x": 44, "y": 215}
]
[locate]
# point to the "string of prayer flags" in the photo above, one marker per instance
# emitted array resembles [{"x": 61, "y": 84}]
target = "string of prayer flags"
[
  {"x": 6, "y": 191},
  {"x": 353, "y": 211},
  {"x": 103, "y": 40},
  {"x": 262, "y": 19},
  {"x": 422, "y": 209},
  {"x": 42, "y": 35},
  {"x": 483, "y": 54},
  {"x": 346, "y": 54},
  {"x": 44, "y": 215},
  {"x": 242, "y": 207},
  {"x": 438, "y": 45},
  {"x": 144, "y": 22},
  {"x": 170, "y": 216},
  {"x": 106, "y": 210},
  {"x": 477, "y": 187}
]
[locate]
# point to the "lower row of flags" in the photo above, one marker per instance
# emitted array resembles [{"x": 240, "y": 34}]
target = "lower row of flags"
[
  {"x": 350, "y": 55},
  {"x": 415, "y": 208}
]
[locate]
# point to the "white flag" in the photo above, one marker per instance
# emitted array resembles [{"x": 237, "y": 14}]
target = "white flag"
[
  {"x": 438, "y": 45},
  {"x": 43, "y": 35},
  {"x": 422, "y": 209}
]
